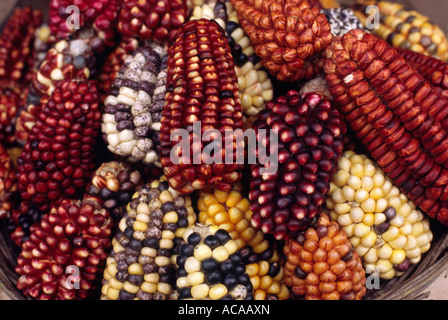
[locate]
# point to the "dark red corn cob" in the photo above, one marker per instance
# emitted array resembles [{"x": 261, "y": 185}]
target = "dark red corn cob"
[
  {"x": 310, "y": 141},
  {"x": 433, "y": 69},
  {"x": 16, "y": 41},
  {"x": 66, "y": 60},
  {"x": 289, "y": 36},
  {"x": 112, "y": 65},
  {"x": 201, "y": 89},
  {"x": 64, "y": 257},
  {"x": 399, "y": 116},
  {"x": 58, "y": 158},
  {"x": 152, "y": 20},
  {"x": 97, "y": 21}
]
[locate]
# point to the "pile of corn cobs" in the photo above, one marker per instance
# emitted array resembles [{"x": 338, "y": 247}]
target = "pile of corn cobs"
[{"x": 116, "y": 158}]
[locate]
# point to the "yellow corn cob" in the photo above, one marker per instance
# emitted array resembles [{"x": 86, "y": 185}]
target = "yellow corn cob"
[
  {"x": 267, "y": 281},
  {"x": 403, "y": 28}
]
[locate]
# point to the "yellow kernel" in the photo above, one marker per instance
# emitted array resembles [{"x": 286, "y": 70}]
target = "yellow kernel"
[
  {"x": 166, "y": 244},
  {"x": 143, "y": 218},
  {"x": 342, "y": 208},
  {"x": 221, "y": 217},
  {"x": 261, "y": 247},
  {"x": 337, "y": 196},
  {"x": 414, "y": 253},
  {"x": 378, "y": 180},
  {"x": 217, "y": 291},
  {"x": 255, "y": 280},
  {"x": 252, "y": 269},
  {"x": 215, "y": 208},
  {"x": 417, "y": 229},
  {"x": 398, "y": 256},
  {"x": 404, "y": 210},
  {"x": 165, "y": 288},
  {"x": 344, "y": 220},
  {"x": 195, "y": 278},
  {"x": 379, "y": 218},
  {"x": 356, "y": 214},
  {"x": 344, "y": 164},
  {"x": 369, "y": 219},
  {"x": 369, "y": 170},
  {"x": 369, "y": 240},
  {"x": 162, "y": 261},
  {"x": 140, "y": 226},
  {"x": 135, "y": 268},
  {"x": 397, "y": 221},
  {"x": 202, "y": 252},
  {"x": 340, "y": 178},
  {"x": 200, "y": 291},
  {"x": 355, "y": 241},
  {"x": 182, "y": 282},
  {"x": 371, "y": 256},
  {"x": 201, "y": 205},
  {"x": 354, "y": 182},
  {"x": 243, "y": 205},
  {"x": 220, "y": 253},
  {"x": 192, "y": 264},
  {"x": 113, "y": 294},
  {"x": 166, "y": 196},
  {"x": 384, "y": 265},
  {"x": 143, "y": 208},
  {"x": 129, "y": 287},
  {"x": 150, "y": 252},
  {"x": 263, "y": 268},
  {"x": 385, "y": 251},
  {"x": 149, "y": 287},
  {"x": 151, "y": 277},
  {"x": 411, "y": 242},
  {"x": 235, "y": 215},
  {"x": 333, "y": 215},
  {"x": 377, "y": 193},
  {"x": 394, "y": 192},
  {"x": 381, "y": 205},
  {"x": 368, "y": 205},
  {"x": 361, "y": 195},
  {"x": 425, "y": 248},
  {"x": 248, "y": 234},
  {"x": 257, "y": 239},
  {"x": 348, "y": 193},
  {"x": 231, "y": 247},
  {"x": 242, "y": 225},
  {"x": 367, "y": 183},
  {"x": 423, "y": 240},
  {"x": 387, "y": 186},
  {"x": 391, "y": 234},
  {"x": 166, "y": 234},
  {"x": 406, "y": 228},
  {"x": 388, "y": 275},
  {"x": 361, "y": 230},
  {"x": 412, "y": 217},
  {"x": 209, "y": 200},
  {"x": 357, "y": 159},
  {"x": 361, "y": 250},
  {"x": 349, "y": 230},
  {"x": 234, "y": 198},
  {"x": 265, "y": 282},
  {"x": 114, "y": 283},
  {"x": 170, "y": 217},
  {"x": 399, "y": 243},
  {"x": 221, "y": 196}
]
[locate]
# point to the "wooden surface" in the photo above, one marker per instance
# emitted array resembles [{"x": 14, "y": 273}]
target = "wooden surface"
[{"x": 435, "y": 9}]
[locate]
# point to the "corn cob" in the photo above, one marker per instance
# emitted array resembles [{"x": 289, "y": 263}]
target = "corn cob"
[
  {"x": 434, "y": 70},
  {"x": 289, "y": 37},
  {"x": 140, "y": 264},
  {"x": 386, "y": 229},
  {"x": 58, "y": 159},
  {"x": 396, "y": 114},
  {"x": 201, "y": 89},
  {"x": 267, "y": 280},
  {"x": 210, "y": 266},
  {"x": 16, "y": 41},
  {"x": 152, "y": 20},
  {"x": 405, "y": 28},
  {"x": 321, "y": 264},
  {"x": 127, "y": 120},
  {"x": 97, "y": 22},
  {"x": 11, "y": 101},
  {"x": 342, "y": 20},
  {"x": 310, "y": 141},
  {"x": 66, "y": 60},
  {"x": 73, "y": 238}
]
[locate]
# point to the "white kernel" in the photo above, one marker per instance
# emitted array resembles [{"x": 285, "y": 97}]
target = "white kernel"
[
  {"x": 361, "y": 250},
  {"x": 367, "y": 183},
  {"x": 381, "y": 205},
  {"x": 348, "y": 193},
  {"x": 399, "y": 243},
  {"x": 368, "y": 205},
  {"x": 369, "y": 240},
  {"x": 379, "y": 218},
  {"x": 342, "y": 208},
  {"x": 385, "y": 251},
  {"x": 356, "y": 214},
  {"x": 354, "y": 182},
  {"x": 371, "y": 256},
  {"x": 361, "y": 230}
]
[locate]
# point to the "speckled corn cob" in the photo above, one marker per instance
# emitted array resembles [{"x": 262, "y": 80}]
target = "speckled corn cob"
[
  {"x": 140, "y": 264},
  {"x": 97, "y": 22},
  {"x": 397, "y": 115},
  {"x": 267, "y": 281},
  {"x": 11, "y": 102},
  {"x": 321, "y": 264},
  {"x": 16, "y": 41},
  {"x": 289, "y": 37},
  {"x": 127, "y": 118},
  {"x": 8, "y": 183},
  {"x": 434, "y": 70},
  {"x": 405, "y": 28},
  {"x": 210, "y": 267},
  {"x": 152, "y": 20},
  {"x": 64, "y": 256},
  {"x": 201, "y": 88},
  {"x": 386, "y": 229},
  {"x": 65, "y": 60},
  {"x": 342, "y": 20},
  {"x": 115, "y": 183}
]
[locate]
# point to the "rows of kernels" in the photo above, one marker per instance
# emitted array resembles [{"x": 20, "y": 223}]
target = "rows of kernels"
[
  {"x": 406, "y": 29},
  {"x": 115, "y": 183},
  {"x": 231, "y": 211},
  {"x": 140, "y": 264},
  {"x": 267, "y": 281},
  {"x": 97, "y": 22},
  {"x": 11, "y": 102},
  {"x": 310, "y": 141},
  {"x": 58, "y": 158},
  {"x": 127, "y": 119},
  {"x": 209, "y": 266},
  {"x": 73, "y": 236},
  {"x": 202, "y": 89},
  {"x": 152, "y": 20},
  {"x": 383, "y": 225},
  {"x": 321, "y": 264},
  {"x": 8, "y": 183},
  {"x": 64, "y": 61}
]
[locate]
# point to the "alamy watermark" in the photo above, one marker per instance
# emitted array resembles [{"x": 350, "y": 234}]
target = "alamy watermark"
[
  {"x": 72, "y": 281},
  {"x": 73, "y": 20}
]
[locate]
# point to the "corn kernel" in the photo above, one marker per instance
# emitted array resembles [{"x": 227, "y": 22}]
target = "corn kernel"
[
  {"x": 344, "y": 220},
  {"x": 369, "y": 239},
  {"x": 195, "y": 278},
  {"x": 368, "y": 205},
  {"x": 200, "y": 291},
  {"x": 361, "y": 195},
  {"x": 355, "y": 241},
  {"x": 378, "y": 180},
  {"x": 369, "y": 219},
  {"x": 342, "y": 208},
  {"x": 349, "y": 230},
  {"x": 385, "y": 251},
  {"x": 399, "y": 243},
  {"x": 348, "y": 193},
  {"x": 357, "y": 214},
  {"x": 340, "y": 178},
  {"x": 379, "y": 218},
  {"x": 414, "y": 253},
  {"x": 354, "y": 182},
  {"x": 417, "y": 229},
  {"x": 217, "y": 291},
  {"x": 371, "y": 256},
  {"x": 361, "y": 250}
]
